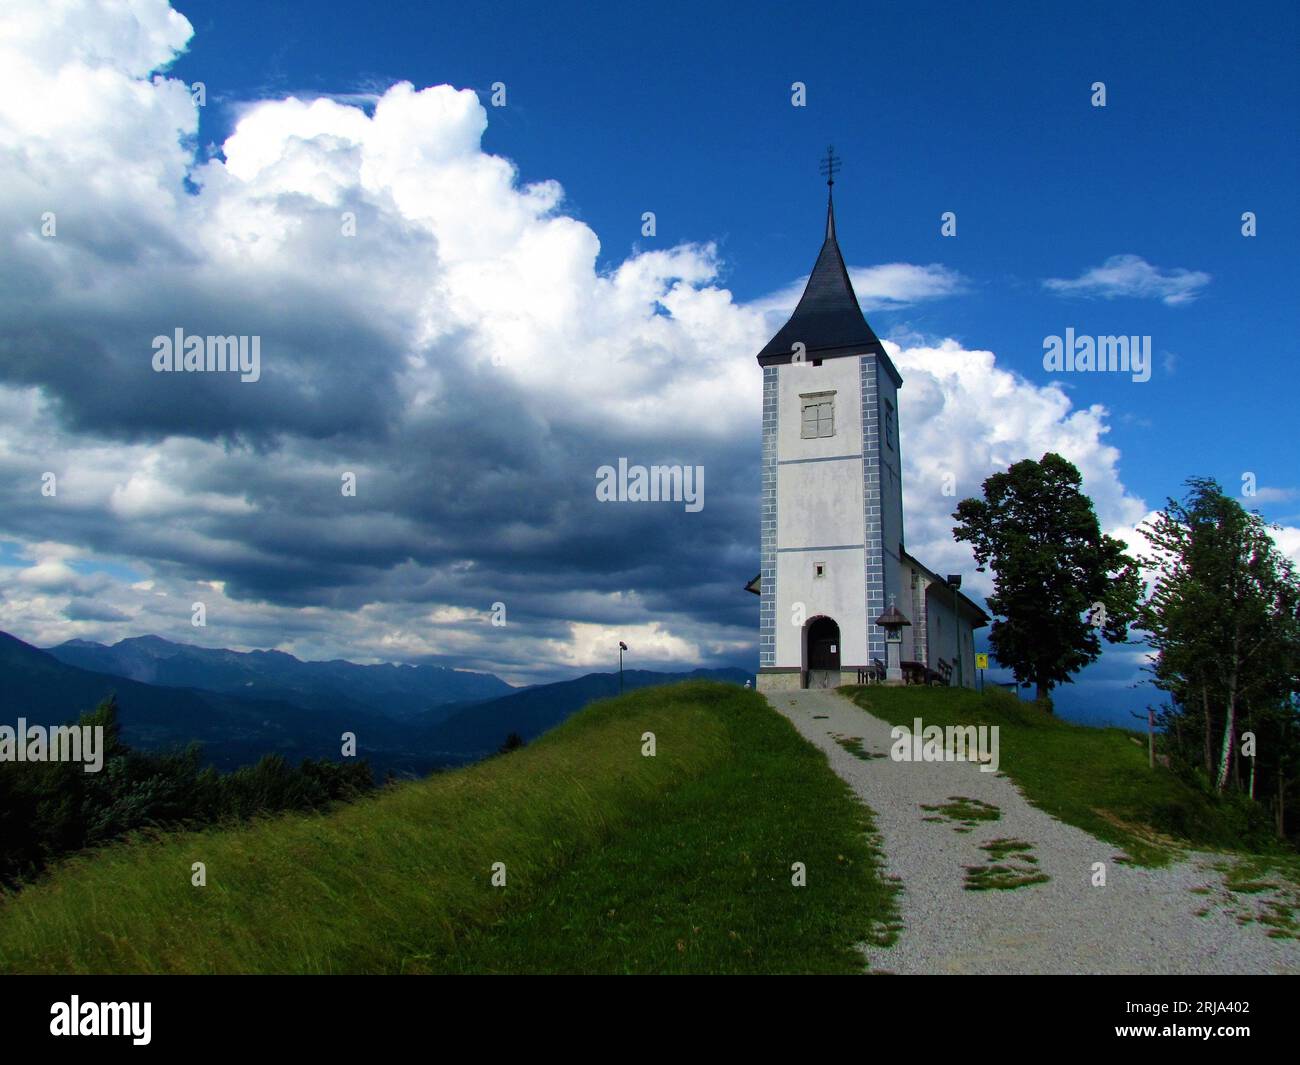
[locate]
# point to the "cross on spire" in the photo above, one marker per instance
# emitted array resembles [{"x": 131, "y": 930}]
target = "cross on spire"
[{"x": 830, "y": 164}]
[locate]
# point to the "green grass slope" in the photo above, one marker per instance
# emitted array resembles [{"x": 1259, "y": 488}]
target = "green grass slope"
[
  {"x": 614, "y": 862},
  {"x": 1096, "y": 779}
]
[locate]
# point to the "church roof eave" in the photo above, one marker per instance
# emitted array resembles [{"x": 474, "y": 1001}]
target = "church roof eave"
[{"x": 779, "y": 358}]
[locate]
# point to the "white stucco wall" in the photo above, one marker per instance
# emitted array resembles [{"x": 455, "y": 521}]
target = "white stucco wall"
[
  {"x": 841, "y": 595},
  {"x": 951, "y": 636},
  {"x": 840, "y": 375},
  {"x": 942, "y": 629},
  {"x": 820, "y": 513}
]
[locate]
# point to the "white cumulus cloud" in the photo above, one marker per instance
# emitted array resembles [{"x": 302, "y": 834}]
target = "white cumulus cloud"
[
  {"x": 461, "y": 353},
  {"x": 1134, "y": 277}
]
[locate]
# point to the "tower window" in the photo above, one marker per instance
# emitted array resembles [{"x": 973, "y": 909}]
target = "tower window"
[
  {"x": 819, "y": 569},
  {"x": 889, "y": 424},
  {"x": 818, "y": 415}
]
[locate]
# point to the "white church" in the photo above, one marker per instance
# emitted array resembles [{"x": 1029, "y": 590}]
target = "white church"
[{"x": 841, "y": 600}]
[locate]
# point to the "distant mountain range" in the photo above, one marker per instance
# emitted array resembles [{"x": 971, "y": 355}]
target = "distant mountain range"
[
  {"x": 233, "y": 729},
  {"x": 393, "y": 691},
  {"x": 243, "y": 705}
]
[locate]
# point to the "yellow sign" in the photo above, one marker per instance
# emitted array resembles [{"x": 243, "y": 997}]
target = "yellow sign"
[{"x": 981, "y": 661}]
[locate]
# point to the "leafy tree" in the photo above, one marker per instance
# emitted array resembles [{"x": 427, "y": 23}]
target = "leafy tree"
[
  {"x": 1224, "y": 619},
  {"x": 1059, "y": 584},
  {"x": 513, "y": 742},
  {"x": 50, "y": 809}
]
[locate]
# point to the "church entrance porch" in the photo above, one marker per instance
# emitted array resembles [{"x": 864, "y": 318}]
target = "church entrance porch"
[{"x": 822, "y": 652}]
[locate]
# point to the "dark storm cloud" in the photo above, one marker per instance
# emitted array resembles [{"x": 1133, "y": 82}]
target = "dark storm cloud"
[{"x": 89, "y": 610}]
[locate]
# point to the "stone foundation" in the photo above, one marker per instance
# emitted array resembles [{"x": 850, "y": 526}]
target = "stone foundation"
[
  {"x": 793, "y": 680},
  {"x": 779, "y": 682}
]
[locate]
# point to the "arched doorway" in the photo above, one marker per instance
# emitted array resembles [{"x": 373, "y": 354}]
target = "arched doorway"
[{"x": 822, "y": 652}]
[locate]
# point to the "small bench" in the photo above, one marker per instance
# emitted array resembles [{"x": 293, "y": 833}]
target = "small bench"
[
  {"x": 872, "y": 674},
  {"x": 915, "y": 673}
]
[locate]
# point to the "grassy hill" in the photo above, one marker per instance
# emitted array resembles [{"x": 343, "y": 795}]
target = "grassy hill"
[
  {"x": 480, "y": 728},
  {"x": 1097, "y": 779},
  {"x": 614, "y": 862},
  {"x": 244, "y": 705}
]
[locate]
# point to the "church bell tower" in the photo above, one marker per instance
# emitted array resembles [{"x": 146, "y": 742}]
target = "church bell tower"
[{"x": 832, "y": 507}]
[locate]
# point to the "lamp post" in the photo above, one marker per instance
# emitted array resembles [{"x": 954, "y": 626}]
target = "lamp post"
[{"x": 621, "y": 648}]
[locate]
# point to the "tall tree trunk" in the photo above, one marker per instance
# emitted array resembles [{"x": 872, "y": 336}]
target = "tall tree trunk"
[
  {"x": 1044, "y": 695},
  {"x": 1229, "y": 719},
  {"x": 1225, "y": 753}
]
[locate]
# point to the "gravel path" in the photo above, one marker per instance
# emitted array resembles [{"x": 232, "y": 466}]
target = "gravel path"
[{"x": 1142, "y": 921}]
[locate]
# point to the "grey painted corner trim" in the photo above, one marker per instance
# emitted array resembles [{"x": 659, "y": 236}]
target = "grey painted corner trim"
[
  {"x": 767, "y": 522},
  {"x": 824, "y": 458}
]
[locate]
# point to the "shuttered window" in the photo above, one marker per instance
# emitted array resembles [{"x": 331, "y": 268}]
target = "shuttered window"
[{"x": 818, "y": 417}]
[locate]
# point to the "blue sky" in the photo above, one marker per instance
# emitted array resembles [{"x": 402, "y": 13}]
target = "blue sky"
[
  {"x": 978, "y": 109},
  {"x": 683, "y": 110}
]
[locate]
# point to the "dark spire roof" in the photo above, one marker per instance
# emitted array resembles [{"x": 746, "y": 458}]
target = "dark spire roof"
[{"x": 828, "y": 320}]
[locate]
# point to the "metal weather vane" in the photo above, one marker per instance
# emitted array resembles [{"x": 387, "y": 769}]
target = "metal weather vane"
[{"x": 830, "y": 165}]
